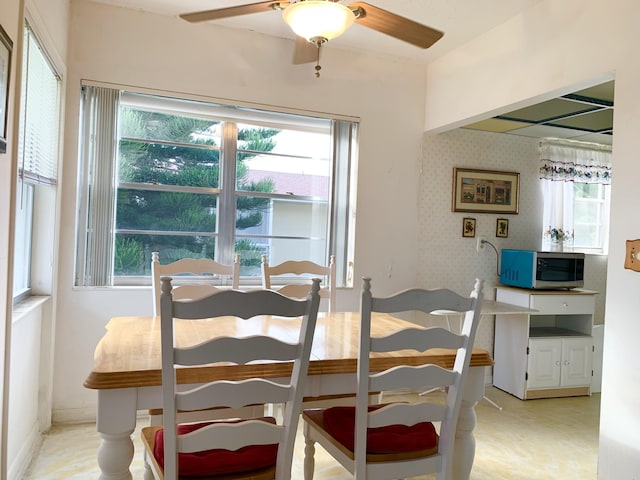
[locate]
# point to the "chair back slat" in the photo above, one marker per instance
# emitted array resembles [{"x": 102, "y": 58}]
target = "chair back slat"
[
  {"x": 239, "y": 351},
  {"x": 417, "y": 339},
  {"x": 232, "y": 394},
  {"x": 412, "y": 378},
  {"x": 251, "y": 306},
  {"x": 406, "y": 413},
  {"x": 231, "y": 436},
  {"x": 416, "y": 300},
  {"x": 295, "y": 271},
  {"x": 240, "y": 304},
  {"x": 198, "y": 275}
]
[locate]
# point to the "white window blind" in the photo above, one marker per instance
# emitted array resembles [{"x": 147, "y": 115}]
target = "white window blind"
[
  {"x": 38, "y": 145},
  {"x": 99, "y": 128}
]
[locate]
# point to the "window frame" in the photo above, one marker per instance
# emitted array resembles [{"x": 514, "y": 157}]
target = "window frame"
[
  {"x": 339, "y": 237},
  {"x": 37, "y": 170},
  {"x": 601, "y": 221}
]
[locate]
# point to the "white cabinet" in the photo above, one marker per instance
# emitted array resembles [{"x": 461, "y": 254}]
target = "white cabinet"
[
  {"x": 559, "y": 362},
  {"x": 547, "y": 352}
]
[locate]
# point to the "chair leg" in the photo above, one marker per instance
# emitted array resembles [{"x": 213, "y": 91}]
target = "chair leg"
[
  {"x": 309, "y": 454},
  {"x": 437, "y": 389},
  {"x": 148, "y": 473},
  {"x": 492, "y": 402}
]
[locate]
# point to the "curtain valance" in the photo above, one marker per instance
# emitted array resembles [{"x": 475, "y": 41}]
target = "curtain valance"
[{"x": 574, "y": 161}]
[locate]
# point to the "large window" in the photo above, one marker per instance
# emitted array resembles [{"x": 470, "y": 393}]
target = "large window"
[
  {"x": 196, "y": 179},
  {"x": 38, "y": 157}
]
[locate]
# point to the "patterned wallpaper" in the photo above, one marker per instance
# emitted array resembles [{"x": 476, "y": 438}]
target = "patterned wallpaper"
[{"x": 448, "y": 259}]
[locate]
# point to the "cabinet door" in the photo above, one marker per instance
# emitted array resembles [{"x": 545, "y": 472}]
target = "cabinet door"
[
  {"x": 577, "y": 361},
  {"x": 545, "y": 360}
]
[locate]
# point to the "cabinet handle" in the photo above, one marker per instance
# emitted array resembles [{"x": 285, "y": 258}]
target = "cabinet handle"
[
  {"x": 565, "y": 304},
  {"x": 558, "y": 363},
  {"x": 567, "y": 362}
]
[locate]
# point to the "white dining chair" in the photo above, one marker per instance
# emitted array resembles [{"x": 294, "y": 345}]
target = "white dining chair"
[
  {"x": 193, "y": 277},
  {"x": 292, "y": 278},
  {"x": 247, "y": 449},
  {"x": 398, "y": 439}
]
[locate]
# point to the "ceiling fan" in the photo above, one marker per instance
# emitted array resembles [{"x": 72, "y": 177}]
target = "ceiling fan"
[{"x": 318, "y": 21}]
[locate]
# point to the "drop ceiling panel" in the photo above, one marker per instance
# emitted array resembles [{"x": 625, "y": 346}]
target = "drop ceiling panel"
[
  {"x": 549, "y": 110},
  {"x": 542, "y": 131},
  {"x": 599, "y": 121},
  {"x": 603, "y": 91},
  {"x": 496, "y": 125}
]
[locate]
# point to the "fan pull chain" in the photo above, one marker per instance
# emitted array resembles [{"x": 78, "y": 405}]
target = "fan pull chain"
[{"x": 318, "y": 67}]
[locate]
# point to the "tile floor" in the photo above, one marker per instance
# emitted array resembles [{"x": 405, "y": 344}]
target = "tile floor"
[{"x": 533, "y": 440}]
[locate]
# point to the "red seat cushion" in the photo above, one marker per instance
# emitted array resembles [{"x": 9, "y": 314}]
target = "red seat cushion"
[
  {"x": 217, "y": 461},
  {"x": 340, "y": 423}
]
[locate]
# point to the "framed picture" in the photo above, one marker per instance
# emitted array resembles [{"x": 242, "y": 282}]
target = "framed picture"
[
  {"x": 5, "y": 67},
  {"x": 485, "y": 191},
  {"x": 468, "y": 227},
  {"x": 502, "y": 227}
]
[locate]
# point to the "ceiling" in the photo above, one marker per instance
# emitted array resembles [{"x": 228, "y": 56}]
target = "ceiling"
[
  {"x": 460, "y": 20},
  {"x": 585, "y": 115}
]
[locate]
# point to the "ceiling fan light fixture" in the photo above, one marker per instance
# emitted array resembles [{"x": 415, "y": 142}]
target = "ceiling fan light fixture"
[{"x": 318, "y": 21}]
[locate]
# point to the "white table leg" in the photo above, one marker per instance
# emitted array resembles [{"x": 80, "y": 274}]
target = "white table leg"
[
  {"x": 114, "y": 456},
  {"x": 465, "y": 443},
  {"x": 116, "y": 422}
]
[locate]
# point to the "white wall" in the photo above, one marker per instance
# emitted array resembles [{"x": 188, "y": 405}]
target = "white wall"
[
  {"x": 552, "y": 49},
  {"x": 448, "y": 258},
  {"x": 25, "y": 393},
  {"x": 133, "y": 48}
]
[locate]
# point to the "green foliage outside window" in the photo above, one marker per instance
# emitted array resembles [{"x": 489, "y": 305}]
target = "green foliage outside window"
[{"x": 162, "y": 149}]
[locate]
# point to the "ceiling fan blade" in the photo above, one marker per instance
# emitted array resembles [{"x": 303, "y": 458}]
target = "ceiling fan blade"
[
  {"x": 207, "y": 15},
  {"x": 396, "y": 26},
  {"x": 304, "y": 52}
]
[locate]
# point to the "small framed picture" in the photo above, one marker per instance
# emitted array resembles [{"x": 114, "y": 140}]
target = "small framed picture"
[
  {"x": 468, "y": 227},
  {"x": 502, "y": 228}
]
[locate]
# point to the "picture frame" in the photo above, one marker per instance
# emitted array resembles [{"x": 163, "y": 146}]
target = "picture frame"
[
  {"x": 485, "y": 191},
  {"x": 6, "y": 47},
  {"x": 502, "y": 228},
  {"x": 468, "y": 227}
]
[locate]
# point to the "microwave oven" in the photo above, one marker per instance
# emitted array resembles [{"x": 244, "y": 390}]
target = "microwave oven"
[{"x": 541, "y": 270}]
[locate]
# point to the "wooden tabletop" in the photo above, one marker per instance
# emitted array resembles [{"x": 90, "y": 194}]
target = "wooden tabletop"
[{"x": 128, "y": 355}]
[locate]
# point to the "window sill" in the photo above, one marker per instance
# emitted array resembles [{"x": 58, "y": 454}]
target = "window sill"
[{"x": 27, "y": 306}]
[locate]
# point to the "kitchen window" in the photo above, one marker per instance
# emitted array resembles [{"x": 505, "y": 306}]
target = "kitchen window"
[{"x": 576, "y": 182}]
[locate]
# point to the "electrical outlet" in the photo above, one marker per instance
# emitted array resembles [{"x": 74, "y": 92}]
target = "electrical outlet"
[{"x": 480, "y": 243}]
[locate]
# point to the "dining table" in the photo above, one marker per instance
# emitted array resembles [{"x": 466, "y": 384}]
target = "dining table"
[{"x": 127, "y": 374}]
